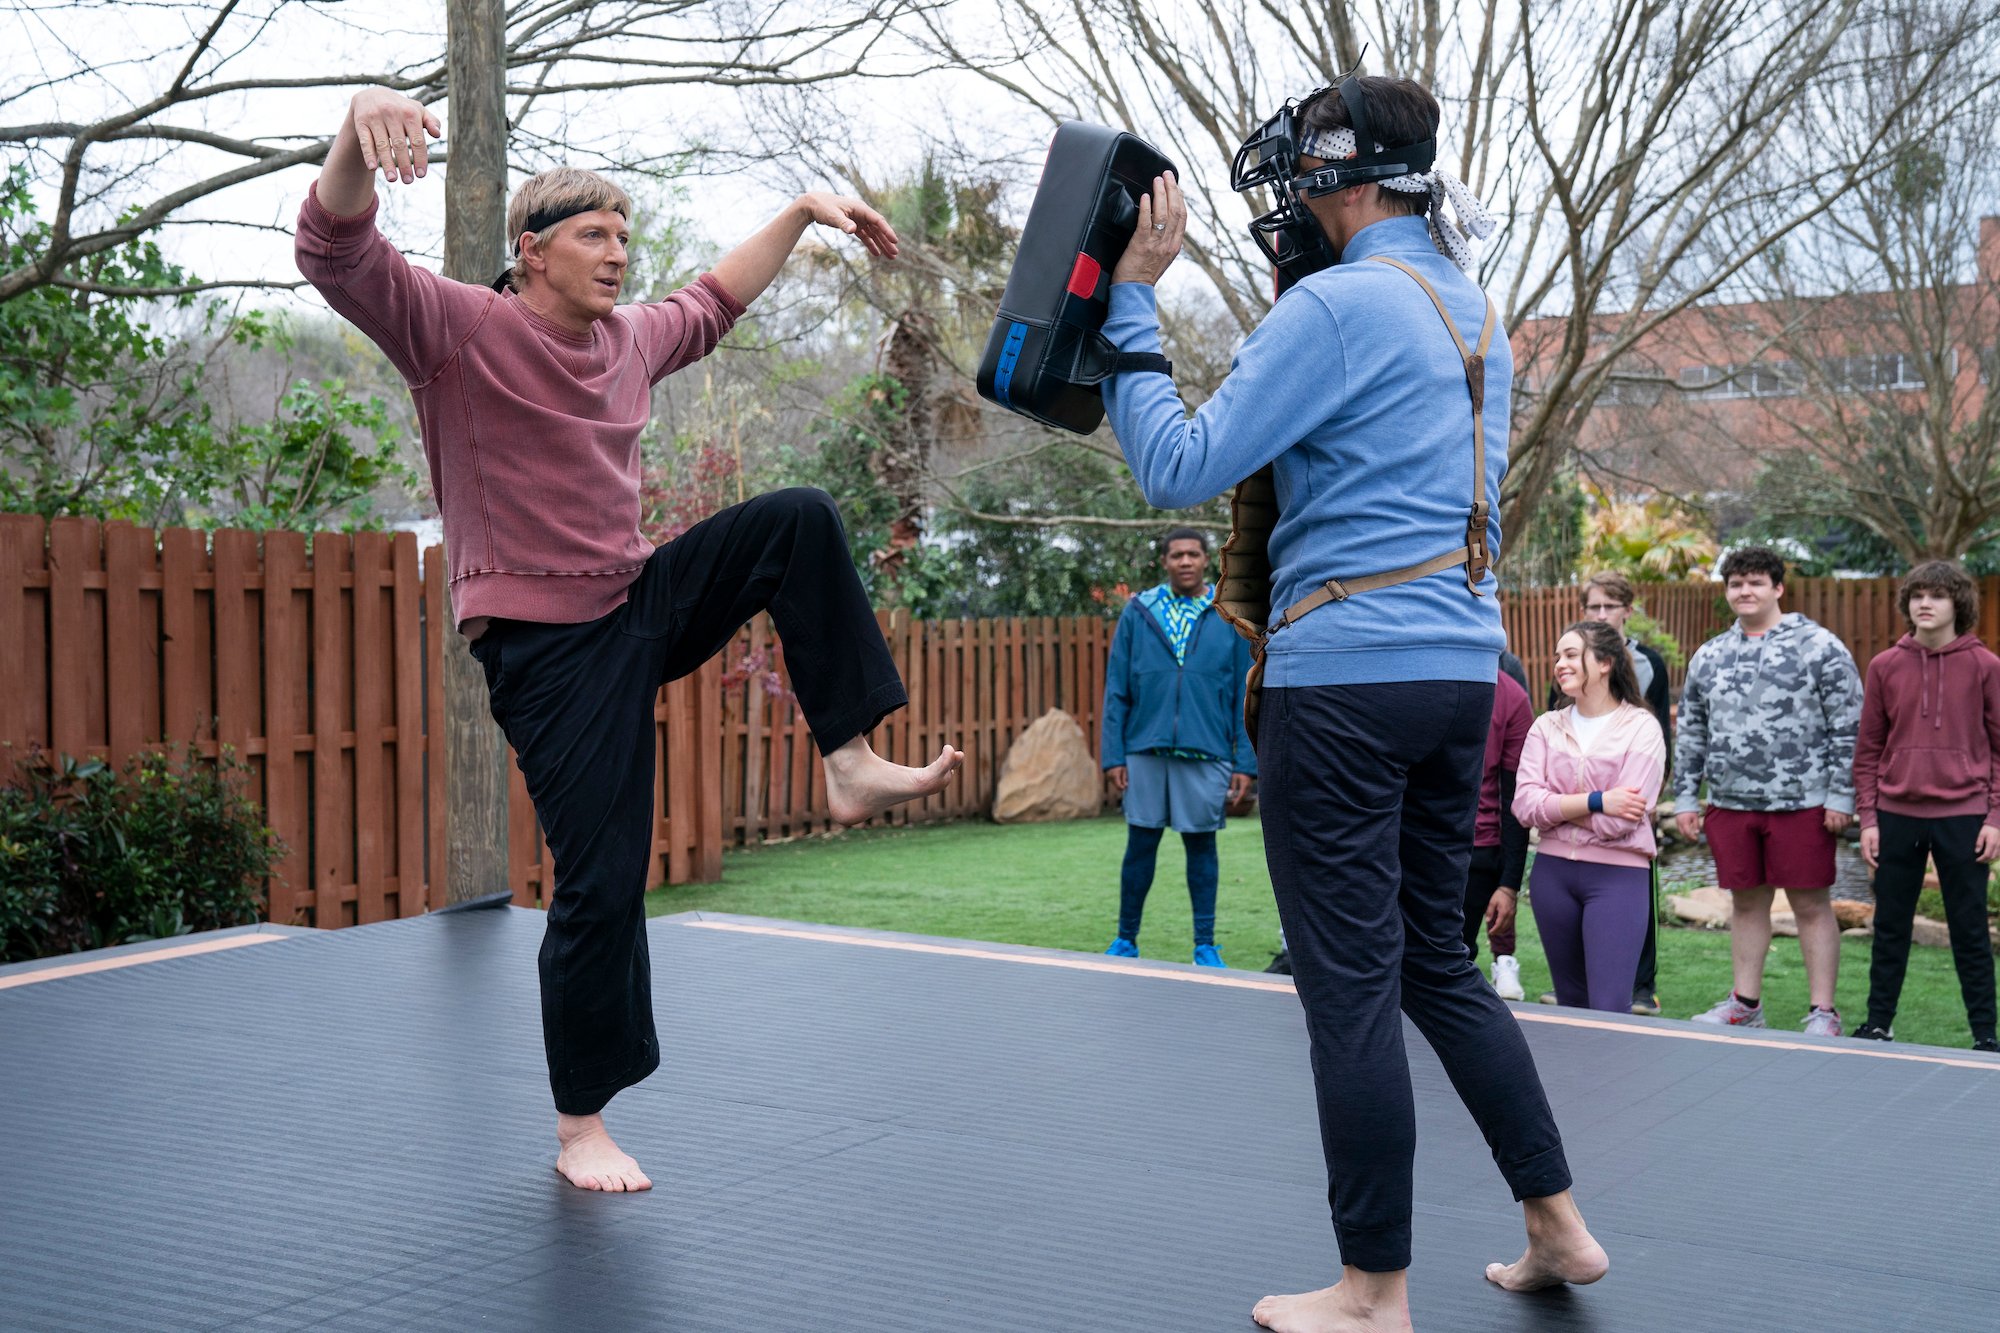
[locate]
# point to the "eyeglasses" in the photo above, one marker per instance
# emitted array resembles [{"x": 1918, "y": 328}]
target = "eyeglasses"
[{"x": 1604, "y": 608}]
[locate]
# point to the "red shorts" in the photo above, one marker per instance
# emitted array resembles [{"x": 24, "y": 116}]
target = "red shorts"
[{"x": 1780, "y": 849}]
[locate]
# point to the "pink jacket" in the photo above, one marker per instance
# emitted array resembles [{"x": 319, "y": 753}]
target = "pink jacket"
[
  {"x": 1628, "y": 752},
  {"x": 532, "y": 432}
]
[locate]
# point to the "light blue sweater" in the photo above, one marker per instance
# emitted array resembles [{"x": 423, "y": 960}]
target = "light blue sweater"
[{"x": 1353, "y": 386}]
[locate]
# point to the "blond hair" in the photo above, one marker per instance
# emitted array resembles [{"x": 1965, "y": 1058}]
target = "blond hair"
[{"x": 564, "y": 190}]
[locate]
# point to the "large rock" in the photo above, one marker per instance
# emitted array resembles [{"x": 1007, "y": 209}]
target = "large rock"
[
  {"x": 1930, "y": 934},
  {"x": 1708, "y": 908},
  {"x": 1048, "y": 775}
]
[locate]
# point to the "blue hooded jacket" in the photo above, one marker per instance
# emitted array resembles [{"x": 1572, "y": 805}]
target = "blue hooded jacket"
[{"x": 1152, "y": 702}]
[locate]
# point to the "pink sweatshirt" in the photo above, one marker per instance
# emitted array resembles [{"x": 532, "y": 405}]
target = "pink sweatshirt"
[
  {"x": 532, "y": 432},
  {"x": 1628, "y": 752}
]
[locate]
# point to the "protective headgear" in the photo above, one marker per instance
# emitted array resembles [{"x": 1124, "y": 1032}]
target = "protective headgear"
[{"x": 1290, "y": 235}]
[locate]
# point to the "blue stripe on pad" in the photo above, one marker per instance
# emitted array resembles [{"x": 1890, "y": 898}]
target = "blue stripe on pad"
[{"x": 1003, "y": 375}]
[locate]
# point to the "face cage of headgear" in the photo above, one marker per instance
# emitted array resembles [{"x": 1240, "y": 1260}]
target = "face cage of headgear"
[{"x": 1289, "y": 235}]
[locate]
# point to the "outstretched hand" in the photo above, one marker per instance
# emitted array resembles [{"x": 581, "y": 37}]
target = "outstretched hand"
[
  {"x": 853, "y": 217},
  {"x": 391, "y": 128},
  {"x": 1157, "y": 239}
]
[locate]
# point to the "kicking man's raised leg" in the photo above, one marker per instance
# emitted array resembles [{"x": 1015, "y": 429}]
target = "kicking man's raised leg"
[{"x": 786, "y": 552}]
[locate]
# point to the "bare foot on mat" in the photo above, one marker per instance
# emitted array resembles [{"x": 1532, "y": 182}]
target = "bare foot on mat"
[
  {"x": 861, "y": 784},
  {"x": 591, "y": 1161},
  {"x": 1341, "y": 1308},
  {"x": 1560, "y": 1249}
]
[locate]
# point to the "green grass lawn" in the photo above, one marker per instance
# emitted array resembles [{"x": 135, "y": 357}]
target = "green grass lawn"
[{"x": 1056, "y": 885}]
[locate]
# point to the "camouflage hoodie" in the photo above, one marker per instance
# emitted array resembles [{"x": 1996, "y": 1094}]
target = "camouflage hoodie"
[{"x": 1769, "y": 721}]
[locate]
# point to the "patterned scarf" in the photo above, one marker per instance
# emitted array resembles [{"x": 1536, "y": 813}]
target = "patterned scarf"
[{"x": 1179, "y": 615}]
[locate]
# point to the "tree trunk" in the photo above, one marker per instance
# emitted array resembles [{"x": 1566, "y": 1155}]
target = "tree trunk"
[{"x": 475, "y": 244}]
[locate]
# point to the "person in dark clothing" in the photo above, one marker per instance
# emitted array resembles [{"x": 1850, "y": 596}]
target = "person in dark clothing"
[
  {"x": 1927, "y": 787},
  {"x": 1499, "y": 842},
  {"x": 1385, "y": 431},
  {"x": 1609, "y": 596},
  {"x": 1173, "y": 739}
]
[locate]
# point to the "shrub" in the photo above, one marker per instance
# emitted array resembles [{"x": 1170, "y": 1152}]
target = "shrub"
[{"x": 90, "y": 858}]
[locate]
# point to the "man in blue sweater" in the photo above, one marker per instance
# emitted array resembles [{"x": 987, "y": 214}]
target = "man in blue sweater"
[
  {"x": 1173, "y": 743},
  {"x": 1378, "y": 389}
]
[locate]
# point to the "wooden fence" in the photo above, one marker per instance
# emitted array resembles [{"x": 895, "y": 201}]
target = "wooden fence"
[
  {"x": 316, "y": 660},
  {"x": 976, "y": 684},
  {"x": 1862, "y": 612}
]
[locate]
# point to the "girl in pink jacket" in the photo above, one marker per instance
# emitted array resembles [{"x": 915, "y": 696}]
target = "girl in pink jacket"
[{"x": 1589, "y": 780}]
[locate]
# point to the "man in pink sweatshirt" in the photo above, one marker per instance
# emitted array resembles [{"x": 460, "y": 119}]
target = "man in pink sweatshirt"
[
  {"x": 531, "y": 396},
  {"x": 1927, "y": 787}
]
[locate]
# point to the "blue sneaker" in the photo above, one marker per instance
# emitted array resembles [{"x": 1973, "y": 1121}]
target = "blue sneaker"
[
  {"x": 1207, "y": 955},
  {"x": 1123, "y": 948}
]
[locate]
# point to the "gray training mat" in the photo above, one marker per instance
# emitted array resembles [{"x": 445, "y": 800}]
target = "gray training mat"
[{"x": 351, "y": 1130}]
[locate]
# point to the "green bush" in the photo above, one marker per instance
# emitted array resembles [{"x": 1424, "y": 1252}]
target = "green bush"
[{"x": 90, "y": 857}]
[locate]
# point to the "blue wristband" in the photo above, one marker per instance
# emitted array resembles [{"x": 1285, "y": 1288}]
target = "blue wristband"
[{"x": 1597, "y": 803}]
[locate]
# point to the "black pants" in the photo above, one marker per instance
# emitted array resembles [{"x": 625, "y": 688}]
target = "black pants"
[
  {"x": 576, "y": 703},
  {"x": 1648, "y": 979},
  {"x": 1482, "y": 881},
  {"x": 1906, "y": 843},
  {"x": 1369, "y": 795}
]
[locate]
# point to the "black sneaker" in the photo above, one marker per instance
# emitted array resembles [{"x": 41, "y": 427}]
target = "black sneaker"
[
  {"x": 1646, "y": 1005},
  {"x": 1282, "y": 964},
  {"x": 1869, "y": 1032},
  {"x": 1991, "y": 1045}
]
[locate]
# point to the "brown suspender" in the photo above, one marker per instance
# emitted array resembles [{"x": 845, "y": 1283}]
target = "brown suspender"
[{"x": 1474, "y": 555}]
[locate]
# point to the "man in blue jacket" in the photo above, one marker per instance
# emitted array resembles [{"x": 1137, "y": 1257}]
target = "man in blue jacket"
[{"x": 1173, "y": 735}]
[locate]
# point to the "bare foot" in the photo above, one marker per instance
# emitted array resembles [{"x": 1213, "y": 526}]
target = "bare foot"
[
  {"x": 1360, "y": 1302},
  {"x": 1560, "y": 1249},
  {"x": 591, "y": 1161},
  {"x": 861, "y": 784}
]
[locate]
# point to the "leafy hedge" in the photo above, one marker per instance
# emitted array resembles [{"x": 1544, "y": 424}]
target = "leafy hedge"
[{"x": 91, "y": 857}]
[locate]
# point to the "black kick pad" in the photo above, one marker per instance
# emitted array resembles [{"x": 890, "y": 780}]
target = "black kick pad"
[{"x": 1047, "y": 354}]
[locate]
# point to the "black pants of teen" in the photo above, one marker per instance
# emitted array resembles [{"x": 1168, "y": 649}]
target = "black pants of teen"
[
  {"x": 1648, "y": 979},
  {"x": 1369, "y": 794},
  {"x": 1906, "y": 843},
  {"x": 576, "y": 703},
  {"x": 1482, "y": 881}
]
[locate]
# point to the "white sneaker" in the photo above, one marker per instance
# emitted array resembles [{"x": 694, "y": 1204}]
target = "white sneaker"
[{"x": 1507, "y": 978}]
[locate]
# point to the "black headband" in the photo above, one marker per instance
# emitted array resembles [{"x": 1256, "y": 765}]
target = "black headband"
[{"x": 538, "y": 222}]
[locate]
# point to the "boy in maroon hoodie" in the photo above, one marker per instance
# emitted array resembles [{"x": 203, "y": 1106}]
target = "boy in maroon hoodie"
[
  {"x": 1927, "y": 786},
  {"x": 532, "y": 393}
]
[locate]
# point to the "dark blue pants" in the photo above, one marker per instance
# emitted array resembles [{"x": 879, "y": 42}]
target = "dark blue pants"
[
  {"x": 576, "y": 703},
  {"x": 1135, "y": 880},
  {"x": 1369, "y": 794}
]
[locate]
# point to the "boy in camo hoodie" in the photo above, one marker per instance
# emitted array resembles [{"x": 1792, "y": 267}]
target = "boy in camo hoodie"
[{"x": 1768, "y": 719}]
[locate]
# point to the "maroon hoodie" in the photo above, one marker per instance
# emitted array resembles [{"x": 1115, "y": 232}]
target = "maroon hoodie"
[
  {"x": 531, "y": 431},
  {"x": 1930, "y": 732}
]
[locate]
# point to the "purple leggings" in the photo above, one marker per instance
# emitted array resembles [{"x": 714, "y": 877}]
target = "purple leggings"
[{"x": 1592, "y": 918}]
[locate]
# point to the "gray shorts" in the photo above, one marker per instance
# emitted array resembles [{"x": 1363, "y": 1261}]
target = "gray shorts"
[{"x": 1185, "y": 795}]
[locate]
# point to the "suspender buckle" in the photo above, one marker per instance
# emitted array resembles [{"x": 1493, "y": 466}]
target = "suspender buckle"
[
  {"x": 1336, "y": 591},
  {"x": 1478, "y": 555}
]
